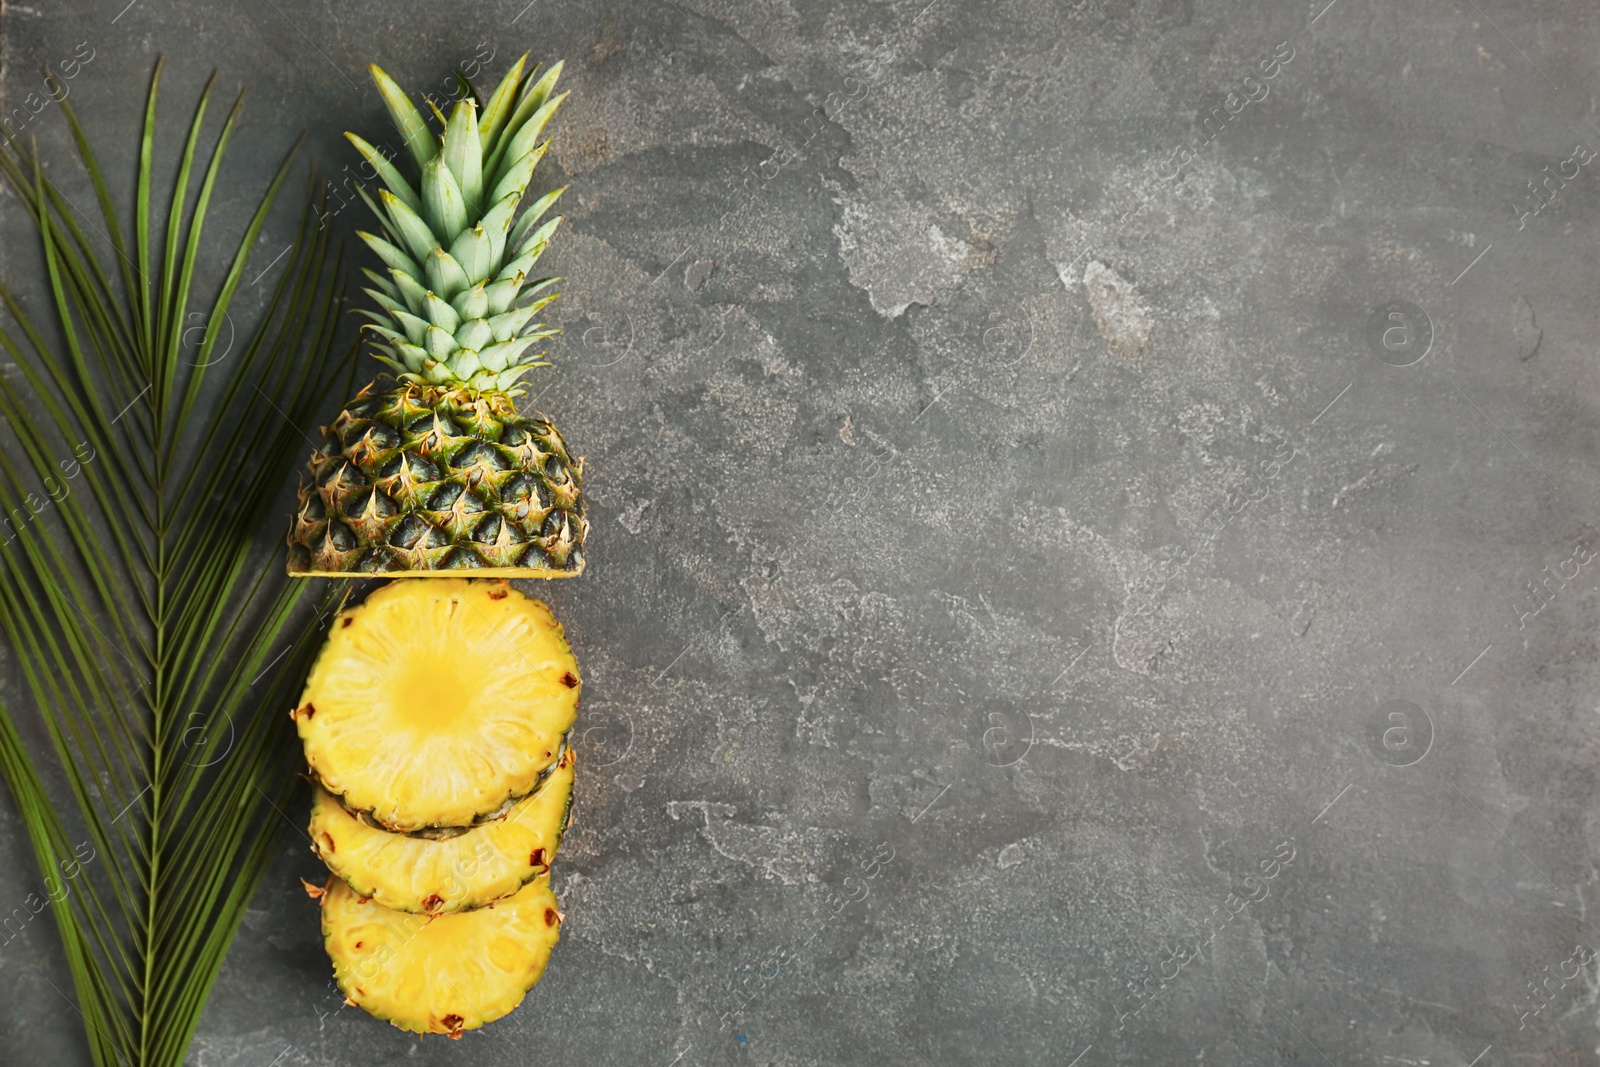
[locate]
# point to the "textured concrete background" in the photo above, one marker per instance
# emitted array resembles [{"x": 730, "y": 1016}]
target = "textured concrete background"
[{"x": 1020, "y": 553}]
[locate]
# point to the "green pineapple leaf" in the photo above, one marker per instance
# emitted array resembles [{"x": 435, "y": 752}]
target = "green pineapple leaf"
[
  {"x": 388, "y": 172},
  {"x": 463, "y": 154},
  {"x": 408, "y": 120},
  {"x": 532, "y": 99},
  {"x": 442, "y": 201},
  {"x": 157, "y": 644},
  {"x": 408, "y": 224},
  {"x": 501, "y": 102}
]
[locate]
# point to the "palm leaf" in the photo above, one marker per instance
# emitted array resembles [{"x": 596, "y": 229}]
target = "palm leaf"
[{"x": 157, "y": 636}]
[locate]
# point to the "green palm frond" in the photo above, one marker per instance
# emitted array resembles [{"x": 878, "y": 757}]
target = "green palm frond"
[{"x": 140, "y": 592}]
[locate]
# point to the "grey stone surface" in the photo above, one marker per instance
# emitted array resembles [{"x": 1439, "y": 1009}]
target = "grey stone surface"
[{"x": 1007, "y": 541}]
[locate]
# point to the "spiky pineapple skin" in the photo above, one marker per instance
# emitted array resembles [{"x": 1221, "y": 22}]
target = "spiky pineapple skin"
[{"x": 434, "y": 480}]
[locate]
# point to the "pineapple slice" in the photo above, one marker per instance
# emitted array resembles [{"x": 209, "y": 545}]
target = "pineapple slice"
[
  {"x": 444, "y": 974},
  {"x": 436, "y": 874},
  {"x": 434, "y": 704}
]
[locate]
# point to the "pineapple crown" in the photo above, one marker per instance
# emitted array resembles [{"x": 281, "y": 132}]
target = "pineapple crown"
[{"x": 454, "y": 303}]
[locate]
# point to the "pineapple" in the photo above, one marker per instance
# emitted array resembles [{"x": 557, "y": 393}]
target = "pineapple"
[
  {"x": 438, "y": 474},
  {"x": 436, "y": 873},
  {"x": 444, "y": 974},
  {"x": 438, "y": 704},
  {"x": 436, "y": 717}
]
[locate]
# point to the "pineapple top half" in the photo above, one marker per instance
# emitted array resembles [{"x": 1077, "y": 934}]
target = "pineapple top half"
[
  {"x": 454, "y": 306},
  {"x": 438, "y": 472}
]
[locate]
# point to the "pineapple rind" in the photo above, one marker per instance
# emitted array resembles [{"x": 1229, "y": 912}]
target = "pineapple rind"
[
  {"x": 441, "y": 833},
  {"x": 439, "y": 974},
  {"x": 439, "y": 876},
  {"x": 423, "y": 480},
  {"x": 504, "y": 693}
]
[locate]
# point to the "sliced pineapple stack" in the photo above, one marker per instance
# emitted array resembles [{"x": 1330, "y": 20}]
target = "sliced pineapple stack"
[{"x": 435, "y": 724}]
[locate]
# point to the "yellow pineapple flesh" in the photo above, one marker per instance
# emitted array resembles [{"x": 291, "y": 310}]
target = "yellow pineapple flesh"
[
  {"x": 436, "y": 704},
  {"x": 435, "y": 874},
  {"x": 441, "y": 974}
]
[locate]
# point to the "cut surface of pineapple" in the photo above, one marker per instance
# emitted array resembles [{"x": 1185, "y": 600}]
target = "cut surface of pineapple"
[
  {"x": 433, "y": 704},
  {"x": 444, "y": 974},
  {"x": 439, "y": 875}
]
